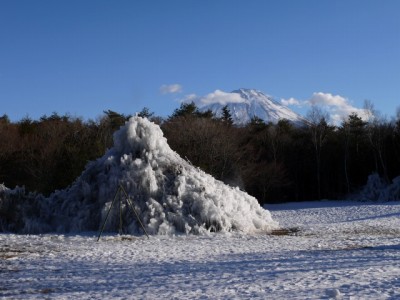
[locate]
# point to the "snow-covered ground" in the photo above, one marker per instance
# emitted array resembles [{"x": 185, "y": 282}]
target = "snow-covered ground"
[{"x": 342, "y": 250}]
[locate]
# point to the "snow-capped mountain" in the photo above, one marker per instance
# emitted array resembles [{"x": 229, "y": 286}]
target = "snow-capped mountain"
[{"x": 249, "y": 103}]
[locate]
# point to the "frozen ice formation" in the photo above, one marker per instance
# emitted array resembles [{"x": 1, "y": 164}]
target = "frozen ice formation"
[{"x": 169, "y": 194}]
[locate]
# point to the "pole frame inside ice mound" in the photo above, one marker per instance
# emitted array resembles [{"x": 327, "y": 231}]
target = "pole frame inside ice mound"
[
  {"x": 170, "y": 194},
  {"x": 130, "y": 205}
]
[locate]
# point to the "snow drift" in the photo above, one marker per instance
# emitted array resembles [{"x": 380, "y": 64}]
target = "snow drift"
[{"x": 169, "y": 194}]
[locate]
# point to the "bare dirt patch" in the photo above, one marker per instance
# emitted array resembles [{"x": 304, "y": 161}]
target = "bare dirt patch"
[{"x": 285, "y": 231}]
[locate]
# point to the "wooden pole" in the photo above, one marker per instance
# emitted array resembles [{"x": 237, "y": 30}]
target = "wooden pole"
[
  {"x": 108, "y": 213},
  {"x": 133, "y": 209},
  {"x": 120, "y": 187}
]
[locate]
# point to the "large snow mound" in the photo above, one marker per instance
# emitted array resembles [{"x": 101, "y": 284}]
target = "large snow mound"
[{"x": 169, "y": 194}]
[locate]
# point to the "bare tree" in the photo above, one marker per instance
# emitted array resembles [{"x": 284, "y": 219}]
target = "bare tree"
[
  {"x": 319, "y": 129},
  {"x": 376, "y": 130},
  {"x": 207, "y": 143}
]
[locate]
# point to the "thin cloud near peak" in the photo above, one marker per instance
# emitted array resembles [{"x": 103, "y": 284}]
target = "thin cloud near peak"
[
  {"x": 291, "y": 101},
  {"x": 218, "y": 96},
  {"x": 171, "y": 88}
]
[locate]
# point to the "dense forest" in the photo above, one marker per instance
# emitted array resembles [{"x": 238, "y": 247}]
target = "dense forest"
[{"x": 273, "y": 162}]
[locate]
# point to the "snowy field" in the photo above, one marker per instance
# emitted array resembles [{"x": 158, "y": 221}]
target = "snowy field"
[{"x": 341, "y": 250}]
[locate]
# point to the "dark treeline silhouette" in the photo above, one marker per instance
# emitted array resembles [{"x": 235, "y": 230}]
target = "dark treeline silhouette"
[
  {"x": 49, "y": 153},
  {"x": 273, "y": 162}
]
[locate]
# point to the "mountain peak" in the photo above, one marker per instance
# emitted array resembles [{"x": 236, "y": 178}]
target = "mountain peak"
[
  {"x": 250, "y": 93},
  {"x": 254, "y": 103},
  {"x": 247, "y": 91}
]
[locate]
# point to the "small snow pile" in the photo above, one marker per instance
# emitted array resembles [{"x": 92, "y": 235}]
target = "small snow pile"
[
  {"x": 169, "y": 194},
  {"x": 377, "y": 189}
]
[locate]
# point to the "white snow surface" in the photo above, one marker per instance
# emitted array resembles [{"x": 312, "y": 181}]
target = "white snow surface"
[
  {"x": 254, "y": 103},
  {"x": 169, "y": 194},
  {"x": 342, "y": 250}
]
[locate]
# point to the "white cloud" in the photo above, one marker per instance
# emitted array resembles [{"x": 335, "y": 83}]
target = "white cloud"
[
  {"x": 217, "y": 96},
  {"x": 190, "y": 98},
  {"x": 337, "y": 119},
  {"x": 221, "y": 97},
  {"x": 328, "y": 99},
  {"x": 291, "y": 101},
  {"x": 338, "y": 107},
  {"x": 171, "y": 88}
]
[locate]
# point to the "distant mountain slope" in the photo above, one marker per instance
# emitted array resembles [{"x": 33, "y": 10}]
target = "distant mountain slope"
[{"x": 254, "y": 103}]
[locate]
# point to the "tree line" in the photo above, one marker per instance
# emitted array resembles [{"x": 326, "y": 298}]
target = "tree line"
[{"x": 273, "y": 162}]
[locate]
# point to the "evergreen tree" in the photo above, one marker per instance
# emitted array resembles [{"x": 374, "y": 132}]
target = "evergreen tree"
[
  {"x": 185, "y": 110},
  {"x": 226, "y": 115},
  {"x": 4, "y": 119},
  {"x": 115, "y": 119},
  {"x": 145, "y": 113},
  {"x": 256, "y": 124},
  {"x": 353, "y": 131}
]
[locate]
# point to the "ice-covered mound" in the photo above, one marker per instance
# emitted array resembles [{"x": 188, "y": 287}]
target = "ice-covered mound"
[
  {"x": 169, "y": 194},
  {"x": 377, "y": 189}
]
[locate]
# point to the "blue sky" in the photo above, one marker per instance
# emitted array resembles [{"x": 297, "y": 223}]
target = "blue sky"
[{"x": 84, "y": 57}]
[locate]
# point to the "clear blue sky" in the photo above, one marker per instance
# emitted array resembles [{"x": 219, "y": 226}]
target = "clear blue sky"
[{"x": 83, "y": 57}]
